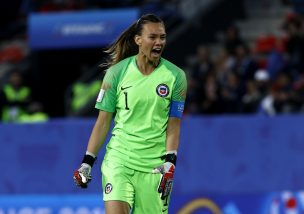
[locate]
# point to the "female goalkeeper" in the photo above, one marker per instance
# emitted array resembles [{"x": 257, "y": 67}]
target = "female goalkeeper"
[{"x": 147, "y": 93}]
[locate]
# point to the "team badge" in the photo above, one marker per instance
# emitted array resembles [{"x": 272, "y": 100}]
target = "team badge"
[
  {"x": 108, "y": 188},
  {"x": 162, "y": 90}
]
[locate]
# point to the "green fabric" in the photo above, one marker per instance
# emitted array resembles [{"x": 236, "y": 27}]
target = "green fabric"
[
  {"x": 83, "y": 93},
  {"x": 16, "y": 95},
  {"x": 138, "y": 189},
  {"x": 110, "y": 83},
  {"x": 139, "y": 134},
  {"x": 9, "y": 113},
  {"x": 33, "y": 118}
]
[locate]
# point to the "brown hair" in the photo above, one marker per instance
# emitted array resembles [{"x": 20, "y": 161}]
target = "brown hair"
[{"x": 125, "y": 46}]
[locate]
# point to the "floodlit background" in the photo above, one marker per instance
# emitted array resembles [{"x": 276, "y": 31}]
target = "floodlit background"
[{"x": 242, "y": 141}]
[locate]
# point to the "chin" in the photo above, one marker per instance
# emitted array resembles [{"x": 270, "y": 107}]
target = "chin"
[{"x": 155, "y": 57}]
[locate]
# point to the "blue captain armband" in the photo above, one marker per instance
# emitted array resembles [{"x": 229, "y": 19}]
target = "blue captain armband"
[{"x": 176, "y": 109}]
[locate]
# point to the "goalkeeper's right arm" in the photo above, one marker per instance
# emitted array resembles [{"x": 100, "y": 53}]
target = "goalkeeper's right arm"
[{"x": 82, "y": 176}]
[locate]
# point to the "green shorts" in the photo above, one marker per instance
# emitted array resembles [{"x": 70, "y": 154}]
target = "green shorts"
[{"x": 138, "y": 189}]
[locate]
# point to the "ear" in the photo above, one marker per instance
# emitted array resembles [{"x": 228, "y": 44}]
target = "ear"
[{"x": 137, "y": 40}]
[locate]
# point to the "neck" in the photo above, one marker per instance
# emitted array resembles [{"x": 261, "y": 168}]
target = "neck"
[{"x": 145, "y": 65}]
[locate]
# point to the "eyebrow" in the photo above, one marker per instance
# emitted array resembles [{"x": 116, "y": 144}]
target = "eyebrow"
[{"x": 155, "y": 34}]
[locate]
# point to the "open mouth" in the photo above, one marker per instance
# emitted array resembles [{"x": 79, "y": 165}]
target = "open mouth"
[{"x": 156, "y": 51}]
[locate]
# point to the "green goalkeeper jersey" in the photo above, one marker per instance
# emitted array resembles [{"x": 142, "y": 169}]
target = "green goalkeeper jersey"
[{"x": 143, "y": 105}]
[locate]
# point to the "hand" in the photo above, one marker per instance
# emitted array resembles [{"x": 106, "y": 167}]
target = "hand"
[
  {"x": 82, "y": 176},
  {"x": 165, "y": 184}
]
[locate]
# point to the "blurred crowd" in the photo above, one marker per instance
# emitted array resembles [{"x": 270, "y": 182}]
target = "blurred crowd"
[
  {"x": 16, "y": 102},
  {"x": 17, "y": 99},
  {"x": 241, "y": 77},
  {"x": 263, "y": 77}
]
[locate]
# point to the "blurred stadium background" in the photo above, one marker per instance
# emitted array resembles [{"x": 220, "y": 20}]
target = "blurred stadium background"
[{"x": 242, "y": 141}]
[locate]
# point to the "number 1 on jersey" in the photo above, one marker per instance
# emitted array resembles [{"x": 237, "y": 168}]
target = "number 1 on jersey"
[{"x": 126, "y": 99}]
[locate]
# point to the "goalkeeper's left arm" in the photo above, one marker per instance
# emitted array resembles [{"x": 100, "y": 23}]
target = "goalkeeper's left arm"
[
  {"x": 173, "y": 133},
  {"x": 168, "y": 168}
]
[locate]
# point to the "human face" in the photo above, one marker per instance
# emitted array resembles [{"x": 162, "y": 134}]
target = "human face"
[{"x": 152, "y": 41}]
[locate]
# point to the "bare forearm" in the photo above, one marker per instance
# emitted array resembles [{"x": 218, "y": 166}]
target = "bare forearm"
[
  {"x": 173, "y": 133},
  {"x": 99, "y": 132}
]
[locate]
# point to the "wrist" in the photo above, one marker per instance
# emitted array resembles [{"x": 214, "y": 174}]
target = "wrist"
[
  {"x": 171, "y": 157},
  {"x": 90, "y": 153},
  {"x": 171, "y": 152},
  {"x": 89, "y": 159}
]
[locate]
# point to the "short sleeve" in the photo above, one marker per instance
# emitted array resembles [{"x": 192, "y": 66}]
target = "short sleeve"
[
  {"x": 178, "y": 96},
  {"x": 107, "y": 96},
  {"x": 180, "y": 87}
]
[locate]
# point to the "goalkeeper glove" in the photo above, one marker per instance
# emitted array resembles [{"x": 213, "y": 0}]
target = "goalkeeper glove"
[
  {"x": 167, "y": 171},
  {"x": 82, "y": 176}
]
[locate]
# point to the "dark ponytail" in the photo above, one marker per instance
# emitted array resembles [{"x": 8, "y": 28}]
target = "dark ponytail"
[{"x": 125, "y": 45}]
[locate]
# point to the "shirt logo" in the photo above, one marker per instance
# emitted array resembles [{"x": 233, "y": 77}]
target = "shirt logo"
[
  {"x": 123, "y": 88},
  {"x": 162, "y": 90}
]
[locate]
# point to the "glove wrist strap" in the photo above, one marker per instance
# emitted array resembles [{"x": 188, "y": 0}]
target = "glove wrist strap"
[
  {"x": 88, "y": 159},
  {"x": 171, "y": 158}
]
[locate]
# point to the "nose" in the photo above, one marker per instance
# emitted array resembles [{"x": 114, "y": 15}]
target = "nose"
[{"x": 159, "y": 41}]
